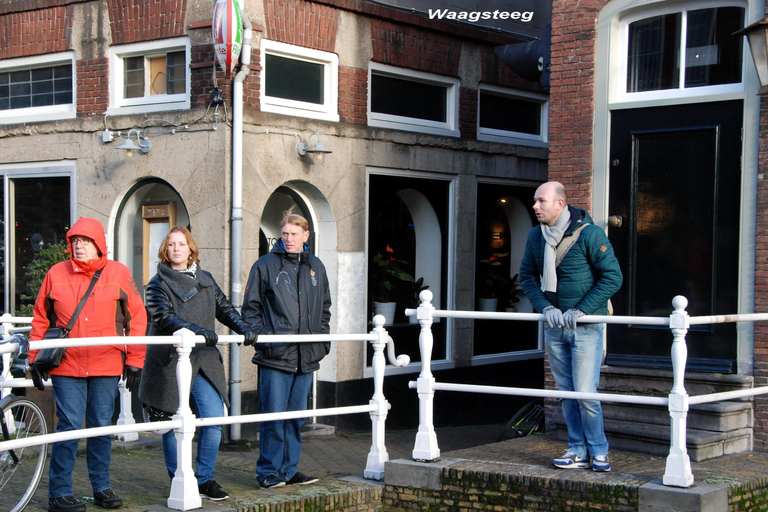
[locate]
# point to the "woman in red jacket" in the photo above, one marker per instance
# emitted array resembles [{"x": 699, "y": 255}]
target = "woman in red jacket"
[{"x": 85, "y": 384}]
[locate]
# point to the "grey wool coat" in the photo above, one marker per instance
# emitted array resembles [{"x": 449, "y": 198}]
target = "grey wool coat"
[{"x": 176, "y": 300}]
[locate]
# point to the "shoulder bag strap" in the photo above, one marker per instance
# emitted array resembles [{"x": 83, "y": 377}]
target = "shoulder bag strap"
[
  {"x": 563, "y": 248},
  {"x": 83, "y": 301}
]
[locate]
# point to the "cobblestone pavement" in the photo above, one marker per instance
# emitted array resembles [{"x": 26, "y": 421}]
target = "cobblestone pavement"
[{"x": 139, "y": 476}]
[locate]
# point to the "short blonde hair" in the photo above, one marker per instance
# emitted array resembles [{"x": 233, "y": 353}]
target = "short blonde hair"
[
  {"x": 295, "y": 219},
  {"x": 162, "y": 253}
]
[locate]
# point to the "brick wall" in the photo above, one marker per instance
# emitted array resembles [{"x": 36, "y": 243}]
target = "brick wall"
[
  {"x": 133, "y": 21},
  {"x": 92, "y": 87},
  {"x": 301, "y": 23},
  {"x": 572, "y": 97},
  {"x": 353, "y": 95},
  {"x": 35, "y": 32},
  {"x": 414, "y": 48},
  {"x": 761, "y": 286}
]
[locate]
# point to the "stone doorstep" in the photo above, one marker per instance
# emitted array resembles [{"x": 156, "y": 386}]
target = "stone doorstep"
[
  {"x": 329, "y": 495},
  {"x": 614, "y": 379},
  {"x": 718, "y": 417}
]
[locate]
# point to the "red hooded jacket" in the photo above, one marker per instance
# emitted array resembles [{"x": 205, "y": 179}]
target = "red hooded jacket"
[{"x": 114, "y": 308}]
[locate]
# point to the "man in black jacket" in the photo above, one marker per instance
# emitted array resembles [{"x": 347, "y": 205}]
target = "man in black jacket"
[{"x": 287, "y": 293}]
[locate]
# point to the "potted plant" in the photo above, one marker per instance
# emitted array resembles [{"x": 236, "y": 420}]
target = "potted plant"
[
  {"x": 492, "y": 281},
  {"x": 515, "y": 293},
  {"x": 387, "y": 273},
  {"x": 416, "y": 288}
]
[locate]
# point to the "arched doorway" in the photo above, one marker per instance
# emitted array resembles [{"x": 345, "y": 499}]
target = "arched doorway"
[{"x": 148, "y": 209}]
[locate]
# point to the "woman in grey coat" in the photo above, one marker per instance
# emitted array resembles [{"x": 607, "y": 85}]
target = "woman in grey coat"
[{"x": 181, "y": 295}]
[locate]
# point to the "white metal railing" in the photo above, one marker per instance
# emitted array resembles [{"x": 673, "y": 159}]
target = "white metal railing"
[
  {"x": 678, "y": 469},
  {"x": 184, "y": 493}
]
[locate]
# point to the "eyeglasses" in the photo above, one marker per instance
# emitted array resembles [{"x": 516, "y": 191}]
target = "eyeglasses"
[{"x": 85, "y": 242}]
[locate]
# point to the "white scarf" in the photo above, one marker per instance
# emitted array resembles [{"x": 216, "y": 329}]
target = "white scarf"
[{"x": 552, "y": 236}]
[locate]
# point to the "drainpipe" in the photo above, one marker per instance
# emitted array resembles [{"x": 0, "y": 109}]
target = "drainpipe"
[{"x": 236, "y": 295}]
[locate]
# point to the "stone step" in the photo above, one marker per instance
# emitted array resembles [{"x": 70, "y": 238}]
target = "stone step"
[
  {"x": 648, "y": 382},
  {"x": 716, "y": 417},
  {"x": 655, "y": 439}
]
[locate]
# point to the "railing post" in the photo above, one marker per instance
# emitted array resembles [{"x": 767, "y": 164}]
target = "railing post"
[
  {"x": 126, "y": 414},
  {"x": 374, "y": 468},
  {"x": 426, "y": 447},
  {"x": 6, "y": 358},
  {"x": 184, "y": 492},
  {"x": 678, "y": 472}
]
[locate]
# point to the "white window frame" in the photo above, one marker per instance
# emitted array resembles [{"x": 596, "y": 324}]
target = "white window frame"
[
  {"x": 119, "y": 105},
  {"x": 46, "y": 113},
  {"x": 510, "y": 137},
  {"x": 618, "y": 88},
  {"x": 449, "y": 128},
  {"x": 326, "y": 111}
]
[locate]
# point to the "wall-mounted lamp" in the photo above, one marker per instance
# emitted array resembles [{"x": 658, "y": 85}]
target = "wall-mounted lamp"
[
  {"x": 144, "y": 145},
  {"x": 302, "y": 148},
  {"x": 757, "y": 35}
]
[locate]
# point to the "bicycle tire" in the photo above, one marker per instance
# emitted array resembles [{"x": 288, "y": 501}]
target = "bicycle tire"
[
  {"x": 21, "y": 418},
  {"x": 526, "y": 421}
]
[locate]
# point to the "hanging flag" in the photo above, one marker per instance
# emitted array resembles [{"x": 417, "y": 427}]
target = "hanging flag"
[{"x": 227, "y": 33}]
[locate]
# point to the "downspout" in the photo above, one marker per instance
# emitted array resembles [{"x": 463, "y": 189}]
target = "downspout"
[{"x": 236, "y": 295}]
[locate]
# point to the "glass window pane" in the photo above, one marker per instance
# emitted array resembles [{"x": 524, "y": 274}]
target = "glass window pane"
[
  {"x": 42, "y": 100},
  {"x": 712, "y": 54},
  {"x": 35, "y": 227},
  {"x": 176, "y": 82},
  {"x": 21, "y": 102},
  {"x": 408, "y": 98},
  {"x": 294, "y": 79},
  {"x": 19, "y": 76},
  {"x": 62, "y": 71},
  {"x": 510, "y": 114},
  {"x": 5, "y": 103},
  {"x": 42, "y": 74},
  {"x": 133, "y": 77},
  {"x": 653, "y": 60},
  {"x": 42, "y": 87}
]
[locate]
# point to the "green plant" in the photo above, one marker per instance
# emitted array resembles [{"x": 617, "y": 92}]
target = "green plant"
[
  {"x": 492, "y": 280},
  {"x": 35, "y": 273},
  {"x": 515, "y": 292},
  {"x": 387, "y": 272},
  {"x": 416, "y": 288}
]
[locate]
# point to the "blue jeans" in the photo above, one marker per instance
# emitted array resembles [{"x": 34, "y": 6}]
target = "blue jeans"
[
  {"x": 206, "y": 403},
  {"x": 280, "y": 441},
  {"x": 575, "y": 356},
  {"x": 90, "y": 400}
]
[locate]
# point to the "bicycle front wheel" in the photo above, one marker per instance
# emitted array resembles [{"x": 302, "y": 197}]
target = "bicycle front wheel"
[{"x": 21, "y": 468}]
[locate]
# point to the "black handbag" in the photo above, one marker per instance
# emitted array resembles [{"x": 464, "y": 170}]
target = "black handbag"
[{"x": 49, "y": 358}]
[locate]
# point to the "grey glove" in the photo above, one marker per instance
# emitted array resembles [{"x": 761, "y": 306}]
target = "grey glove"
[
  {"x": 554, "y": 316},
  {"x": 570, "y": 317}
]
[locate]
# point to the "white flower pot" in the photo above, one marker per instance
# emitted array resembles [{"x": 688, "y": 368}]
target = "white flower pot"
[
  {"x": 487, "y": 304},
  {"x": 386, "y": 309}
]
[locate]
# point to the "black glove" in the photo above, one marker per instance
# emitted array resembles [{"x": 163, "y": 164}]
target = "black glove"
[
  {"x": 251, "y": 337},
  {"x": 39, "y": 376},
  {"x": 211, "y": 338},
  {"x": 132, "y": 377}
]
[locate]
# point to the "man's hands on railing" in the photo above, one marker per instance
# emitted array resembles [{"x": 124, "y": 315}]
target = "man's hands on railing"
[
  {"x": 251, "y": 337},
  {"x": 211, "y": 338},
  {"x": 39, "y": 376},
  {"x": 132, "y": 377},
  {"x": 570, "y": 317},
  {"x": 554, "y": 316}
]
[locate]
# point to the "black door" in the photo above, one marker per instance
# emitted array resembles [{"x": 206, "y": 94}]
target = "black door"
[{"x": 675, "y": 179}]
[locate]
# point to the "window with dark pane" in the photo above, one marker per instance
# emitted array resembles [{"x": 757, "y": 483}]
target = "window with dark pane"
[
  {"x": 294, "y": 79},
  {"x": 501, "y": 112},
  {"x": 21, "y": 86},
  {"x": 713, "y": 56},
  {"x": 133, "y": 80},
  {"x": 654, "y": 53},
  {"x": 408, "y": 98},
  {"x": 176, "y": 81}
]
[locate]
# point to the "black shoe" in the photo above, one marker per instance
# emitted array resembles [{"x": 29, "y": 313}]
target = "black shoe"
[
  {"x": 107, "y": 499},
  {"x": 301, "y": 479},
  {"x": 212, "y": 491},
  {"x": 271, "y": 482},
  {"x": 65, "y": 504}
]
